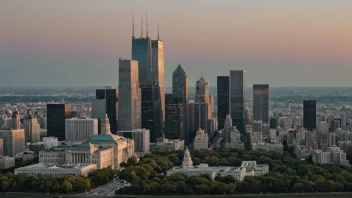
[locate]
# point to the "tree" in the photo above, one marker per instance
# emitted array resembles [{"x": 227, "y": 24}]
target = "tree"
[
  {"x": 56, "y": 187},
  {"x": 4, "y": 185},
  {"x": 66, "y": 187},
  {"x": 298, "y": 187},
  {"x": 231, "y": 188},
  {"x": 132, "y": 160},
  {"x": 212, "y": 161},
  {"x": 174, "y": 159},
  {"x": 202, "y": 188}
]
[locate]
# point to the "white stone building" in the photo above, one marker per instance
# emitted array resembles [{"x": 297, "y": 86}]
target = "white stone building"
[
  {"x": 50, "y": 142},
  {"x": 57, "y": 171},
  {"x": 333, "y": 155},
  {"x": 263, "y": 146},
  {"x": 239, "y": 173},
  {"x": 168, "y": 145},
  {"x": 141, "y": 139},
  {"x": 201, "y": 141},
  {"x": 6, "y": 162}
]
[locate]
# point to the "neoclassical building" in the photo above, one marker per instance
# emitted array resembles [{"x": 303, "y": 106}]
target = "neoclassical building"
[
  {"x": 188, "y": 169},
  {"x": 104, "y": 150}
]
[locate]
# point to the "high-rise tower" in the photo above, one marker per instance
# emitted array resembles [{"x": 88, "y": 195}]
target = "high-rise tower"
[
  {"x": 180, "y": 90},
  {"x": 261, "y": 106},
  {"x": 110, "y": 95},
  {"x": 57, "y": 114},
  {"x": 309, "y": 114},
  {"x": 129, "y": 96},
  {"x": 223, "y": 87},
  {"x": 237, "y": 99}
]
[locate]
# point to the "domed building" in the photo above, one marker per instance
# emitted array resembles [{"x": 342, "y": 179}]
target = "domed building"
[
  {"x": 104, "y": 150},
  {"x": 123, "y": 147}
]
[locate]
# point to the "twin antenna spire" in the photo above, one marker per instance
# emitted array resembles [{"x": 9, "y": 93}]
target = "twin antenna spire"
[{"x": 146, "y": 24}]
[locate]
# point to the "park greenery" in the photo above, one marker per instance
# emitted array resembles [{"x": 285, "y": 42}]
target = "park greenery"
[
  {"x": 287, "y": 174},
  {"x": 48, "y": 184}
]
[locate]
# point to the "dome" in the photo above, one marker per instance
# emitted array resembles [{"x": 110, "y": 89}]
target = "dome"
[{"x": 104, "y": 138}]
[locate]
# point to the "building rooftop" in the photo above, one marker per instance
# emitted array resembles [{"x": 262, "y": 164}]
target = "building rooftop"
[
  {"x": 55, "y": 166},
  {"x": 105, "y": 137}
]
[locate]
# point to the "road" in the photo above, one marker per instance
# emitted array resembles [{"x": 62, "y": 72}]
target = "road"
[{"x": 108, "y": 189}]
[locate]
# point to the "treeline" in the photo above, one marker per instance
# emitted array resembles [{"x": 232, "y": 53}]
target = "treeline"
[
  {"x": 48, "y": 184},
  {"x": 287, "y": 174}
]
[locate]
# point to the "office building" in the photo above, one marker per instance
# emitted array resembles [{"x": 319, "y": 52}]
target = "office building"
[
  {"x": 198, "y": 114},
  {"x": 141, "y": 139},
  {"x": 13, "y": 141},
  {"x": 202, "y": 91},
  {"x": 1, "y": 147},
  {"x": 31, "y": 130},
  {"x": 237, "y": 99},
  {"x": 168, "y": 145},
  {"x": 201, "y": 141},
  {"x": 174, "y": 125},
  {"x": 180, "y": 90},
  {"x": 223, "y": 88},
  {"x": 57, "y": 114},
  {"x": 7, "y": 162},
  {"x": 129, "y": 96},
  {"x": 78, "y": 129},
  {"x": 110, "y": 96},
  {"x": 15, "y": 120},
  {"x": 261, "y": 104},
  {"x": 158, "y": 71},
  {"x": 99, "y": 111},
  {"x": 309, "y": 114}
]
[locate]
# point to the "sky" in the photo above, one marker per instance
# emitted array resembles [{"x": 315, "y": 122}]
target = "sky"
[{"x": 65, "y": 43}]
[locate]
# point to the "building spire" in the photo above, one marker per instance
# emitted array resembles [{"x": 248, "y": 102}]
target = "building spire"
[
  {"x": 158, "y": 32},
  {"x": 146, "y": 24},
  {"x": 142, "y": 27},
  {"x": 132, "y": 25}
]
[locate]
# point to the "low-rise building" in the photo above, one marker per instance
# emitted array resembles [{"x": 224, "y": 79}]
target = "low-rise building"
[
  {"x": 168, "y": 145},
  {"x": 258, "y": 169},
  {"x": 263, "y": 146},
  {"x": 141, "y": 139},
  {"x": 57, "y": 170},
  {"x": 6, "y": 162},
  {"x": 333, "y": 155}
]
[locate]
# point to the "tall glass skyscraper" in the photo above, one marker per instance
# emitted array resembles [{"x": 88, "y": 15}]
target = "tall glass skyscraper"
[
  {"x": 110, "y": 94},
  {"x": 237, "y": 99},
  {"x": 261, "y": 103},
  {"x": 223, "y": 87},
  {"x": 180, "y": 90},
  {"x": 56, "y": 116},
  {"x": 173, "y": 117},
  {"x": 310, "y": 114}
]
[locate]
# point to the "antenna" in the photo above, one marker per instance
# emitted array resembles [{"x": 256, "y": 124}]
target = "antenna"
[
  {"x": 142, "y": 27},
  {"x": 146, "y": 23},
  {"x": 158, "y": 32},
  {"x": 132, "y": 25}
]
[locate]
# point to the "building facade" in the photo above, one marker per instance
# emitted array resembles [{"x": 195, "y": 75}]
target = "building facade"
[
  {"x": 261, "y": 105},
  {"x": 56, "y": 116},
  {"x": 7, "y": 162},
  {"x": 223, "y": 88},
  {"x": 237, "y": 99},
  {"x": 80, "y": 129},
  {"x": 129, "y": 96},
  {"x": 180, "y": 90},
  {"x": 201, "y": 141},
  {"x": 57, "y": 171},
  {"x": 31, "y": 130},
  {"x": 13, "y": 141},
  {"x": 141, "y": 138},
  {"x": 174, "y": 122},
  {"x": 309, "y": 114},
  {"x": 109, "y": 95}
]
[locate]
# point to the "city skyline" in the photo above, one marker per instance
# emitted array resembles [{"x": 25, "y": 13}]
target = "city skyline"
[{"x": 268, "y": 38}]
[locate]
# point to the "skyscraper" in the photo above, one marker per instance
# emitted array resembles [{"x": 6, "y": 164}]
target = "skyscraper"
[
  {"x": 237, "y": 99},
  {"x": 129, "y": 96},
  {"x": 151, "y": 80},
  {"x": 223, "y": 88},
  {"x": 158, "y": 71},
  {"x": 173, "y": 117},
  {"x": 78, "y": 129},
  {"x": 31, "y": 130},
  {"x": 56, "y": 116},
  {"x": 110, "y": 94},
  {"x": 261, "y": 105},
  {"x": 309, "y": 114},
  {"x": 202, "y": 91},
  {"x": 180, "y": 90}
]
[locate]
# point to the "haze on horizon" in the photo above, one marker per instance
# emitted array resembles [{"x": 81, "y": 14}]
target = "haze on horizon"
[{"x": 77, "y": 43}]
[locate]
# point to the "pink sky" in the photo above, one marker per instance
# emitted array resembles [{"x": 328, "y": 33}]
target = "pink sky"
[{"x": 303, "y": 32}]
